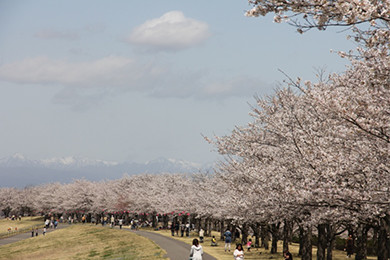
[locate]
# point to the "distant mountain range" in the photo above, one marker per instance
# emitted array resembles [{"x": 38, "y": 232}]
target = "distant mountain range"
[{"x": 19, "y": 171}]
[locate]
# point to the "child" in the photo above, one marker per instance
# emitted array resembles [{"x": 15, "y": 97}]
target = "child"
[
  {"x": 44, "y": 231},
  {"x": 249, "y": 244},
  {"x": 213, "y": 241}
]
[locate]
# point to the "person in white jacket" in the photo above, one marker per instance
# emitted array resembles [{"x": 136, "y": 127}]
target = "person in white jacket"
[
  {"x": 196, "y": 250},
  {"x": 239, "y": 253}
]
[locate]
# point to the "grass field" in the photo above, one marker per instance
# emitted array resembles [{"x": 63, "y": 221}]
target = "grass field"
[
  {"x": 84, "y": 242},
  {"x": 260, "y": 253},
  {"x": 19, "y": 226}
]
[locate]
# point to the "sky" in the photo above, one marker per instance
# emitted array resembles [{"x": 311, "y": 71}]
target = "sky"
[{"x": 138, "y": 80}]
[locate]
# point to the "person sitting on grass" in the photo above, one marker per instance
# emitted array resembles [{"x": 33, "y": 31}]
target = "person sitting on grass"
[
  {"x": 287, "y": 255},
  {"x": 214, "y": 241}
]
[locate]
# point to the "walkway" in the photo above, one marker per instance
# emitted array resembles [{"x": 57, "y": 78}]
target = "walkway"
[
  {"x": 22, "y": 236},
  {"x": 176, "y": 250}
]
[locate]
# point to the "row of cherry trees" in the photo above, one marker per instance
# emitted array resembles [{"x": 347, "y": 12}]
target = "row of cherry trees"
[
  {"x": 220, "y": 201},
  {"x": 318, "y": 154}
]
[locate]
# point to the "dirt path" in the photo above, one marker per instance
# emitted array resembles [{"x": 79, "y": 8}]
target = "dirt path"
[{"x": 176, "y": 250}]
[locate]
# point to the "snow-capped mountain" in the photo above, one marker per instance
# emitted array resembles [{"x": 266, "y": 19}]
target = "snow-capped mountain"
[
  {"x": 72, "y": 161},
  {"x": 19, "y": 171},
  {"x": 17, "y": 160}
]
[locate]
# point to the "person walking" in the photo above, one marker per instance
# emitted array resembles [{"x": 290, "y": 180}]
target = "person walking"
[
  {"x": 249, "y": 244},
  {"x": 228, "y": 239},
  {"x": 196, "y": 252},
  {"x": 238, "y": 253}
]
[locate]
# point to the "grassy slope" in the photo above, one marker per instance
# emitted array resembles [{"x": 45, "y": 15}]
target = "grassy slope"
[
  {"x": 84, "y": 242},
  {"x": 25, "y": 224}
]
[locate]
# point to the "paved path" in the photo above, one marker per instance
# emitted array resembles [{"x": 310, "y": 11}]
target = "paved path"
[
  {"x": 176, "y": 250},
  {"x": 22, "y": 236}
]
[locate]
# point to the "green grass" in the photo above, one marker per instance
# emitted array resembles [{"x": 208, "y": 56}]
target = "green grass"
[
  {"x": 84, "y": 242},
  {"x": 16, "y": 226}
]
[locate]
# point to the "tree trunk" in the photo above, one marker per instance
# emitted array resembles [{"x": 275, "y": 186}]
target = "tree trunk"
[
  {"x": 331, "y": 241},
  {"x": 375, "y": 238},
  {"x": 222, "y": 229},
  {"x": 244, "y": 235},
  {"x": 209, "y": 227},
  {"x": 206, "y": 226},
  {"x": 216, "y": 226},
  {"x": 321, "y": 244},
  {"x": 306, "y": 243},
  {"x": 383, "y": 238},
  {"x": 329, "y": 250},
  {"x": 198, "y": 224},
  {"x": 256, "y": 229},
  {"x": 165, "y": 221},
  {"x": 301, "y": 233},
  {"x": 234, "y": 233},
  {"x": 361, "y": 242},
  {"x": 264, "y": 233},
  {"x": 275, "y": 238},
  {"x": 287, "y": 230}
]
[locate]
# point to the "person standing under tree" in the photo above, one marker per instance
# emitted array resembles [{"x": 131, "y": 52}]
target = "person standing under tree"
[
  {"x": 173, "y": 229},
  {"x": 228, "y": 239},
  {"x": 349, "y": 246},
  {"x": 201, "y": 235}
]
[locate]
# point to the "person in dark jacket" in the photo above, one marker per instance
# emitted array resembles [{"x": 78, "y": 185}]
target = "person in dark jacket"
[
  {"x": 173, "y": 229},
  {"x": 177, "y": 227},
  {"x": 287, "y": 255},
  {"x": 349, "y": 246}
]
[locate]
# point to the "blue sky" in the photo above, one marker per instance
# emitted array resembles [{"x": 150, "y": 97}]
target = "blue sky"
[{"x": 137, "y": 80}]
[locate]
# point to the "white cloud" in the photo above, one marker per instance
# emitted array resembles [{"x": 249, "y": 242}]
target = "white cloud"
[
  {"x": 55, "y": 34},
  {"x": 172, "y": 31},
  {"x": 42, "y": 70},
  {"x": 87, "y": 83},
  {"x": 237, "y": 86}
]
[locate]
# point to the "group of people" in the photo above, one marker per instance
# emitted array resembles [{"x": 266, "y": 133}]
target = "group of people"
[
  {"x": 175, "y": 227},
  {"x": 197, "y": 250},
  {"x": 52, "y": 223},
  {"x": 239, "y": 251}
]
